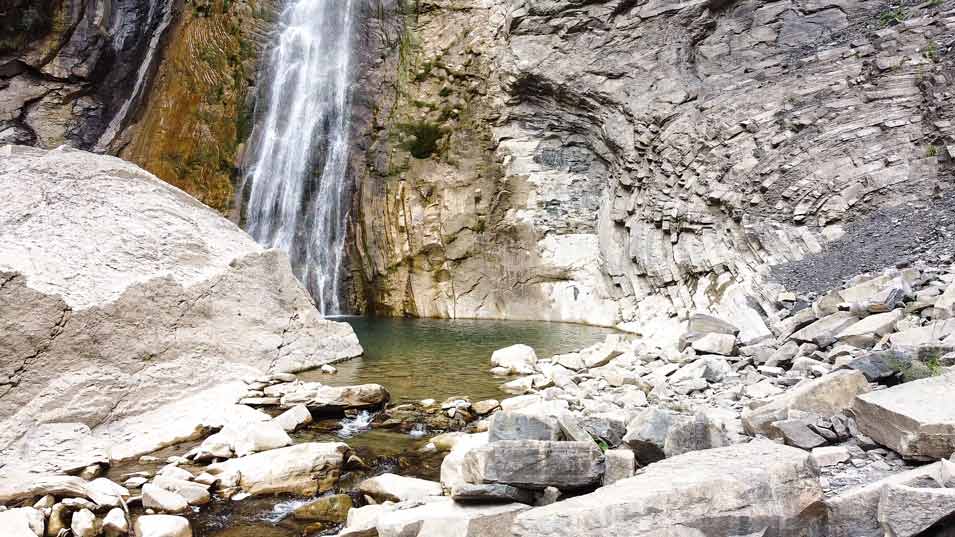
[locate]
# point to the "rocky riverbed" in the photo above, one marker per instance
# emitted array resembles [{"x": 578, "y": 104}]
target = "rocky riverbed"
[{"x": 840, "y": 425}]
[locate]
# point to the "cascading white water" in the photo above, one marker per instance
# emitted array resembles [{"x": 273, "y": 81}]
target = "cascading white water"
[{"x": 297, "y": 178}]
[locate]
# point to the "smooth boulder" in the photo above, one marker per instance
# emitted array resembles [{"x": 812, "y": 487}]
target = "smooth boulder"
[
  {"x": 303, "y": 469},
  {"x": 516, "y": 359},
  {"x": 396, "y": 488},
  {"x": 162, "y": 526}
]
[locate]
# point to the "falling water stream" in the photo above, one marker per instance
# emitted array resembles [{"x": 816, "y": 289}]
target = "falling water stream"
[{"x": 297, "y": 176}]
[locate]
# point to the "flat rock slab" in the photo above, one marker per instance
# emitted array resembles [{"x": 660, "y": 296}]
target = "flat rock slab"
[
  {"x": 854, "y": 513},
  {"x": 535, "y": 464},
  {"x": 468, "y": 493},
  {"x": 908, "y": 511},
  {"x": 737, "y": 490},
  {"x": 915, "y": 419}
]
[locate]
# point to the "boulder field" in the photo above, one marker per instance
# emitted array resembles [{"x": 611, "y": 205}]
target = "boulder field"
[{"x": 121, "y": 295}]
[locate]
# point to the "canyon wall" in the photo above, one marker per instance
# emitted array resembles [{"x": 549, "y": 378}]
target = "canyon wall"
[
  {"x": 627, "y": 163},
  {"x": 618, "y": 162}
]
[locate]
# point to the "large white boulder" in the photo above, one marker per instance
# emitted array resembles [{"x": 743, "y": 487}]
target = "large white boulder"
[
  {"x": 120, "y": 293},
  {"x": 302, "y": 469},
  {"x": 738, "y": 490}
]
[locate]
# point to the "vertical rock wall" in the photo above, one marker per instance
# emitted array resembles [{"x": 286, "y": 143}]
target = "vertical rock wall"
[{"x": 632, "y": 162}]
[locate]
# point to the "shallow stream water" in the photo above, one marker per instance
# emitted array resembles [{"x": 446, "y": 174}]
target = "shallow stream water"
[{"x": 414, "y": 359}]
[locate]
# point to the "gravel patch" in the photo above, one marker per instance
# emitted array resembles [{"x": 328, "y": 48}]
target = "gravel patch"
[{"x": 889, "y": 236}]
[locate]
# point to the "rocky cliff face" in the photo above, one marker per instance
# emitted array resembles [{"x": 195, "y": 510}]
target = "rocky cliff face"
[
  {"x": 630, "y": 162},
  {"x": 163, "y": 83},
  {"x": 71, "y": 72}
]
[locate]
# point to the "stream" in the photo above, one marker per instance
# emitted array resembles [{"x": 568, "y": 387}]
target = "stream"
[{"x": 414, "y": 359}]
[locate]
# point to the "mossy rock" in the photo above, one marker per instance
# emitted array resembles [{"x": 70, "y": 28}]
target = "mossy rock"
[{"x": 332, "y": 508}]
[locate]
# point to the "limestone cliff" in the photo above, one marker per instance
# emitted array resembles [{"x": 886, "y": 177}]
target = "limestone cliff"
[{"x": 630, "y": 162}]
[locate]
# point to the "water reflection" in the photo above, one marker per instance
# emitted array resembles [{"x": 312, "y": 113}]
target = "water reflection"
[{"x": 439, "y": 358}]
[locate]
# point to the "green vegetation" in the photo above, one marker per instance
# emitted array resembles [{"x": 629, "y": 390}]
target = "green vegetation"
[
  {"x": 931, "y": 150},
  {"x": 422, "y": 139},
  {"x": 931, "y": 51},
  {"x": 891, "y": 17}
]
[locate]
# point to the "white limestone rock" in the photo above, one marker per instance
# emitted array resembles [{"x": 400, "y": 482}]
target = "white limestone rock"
[
  {"x": 162, "y": 526},
  {"x": 135, "y": 293},
  {"x": 397, "y": 488},
  {"x": 517, "y": 359},
  {"x": 303, "y": 469}
]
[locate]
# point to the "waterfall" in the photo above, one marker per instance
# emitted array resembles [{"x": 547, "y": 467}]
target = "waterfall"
[{"x": 297, "y": 175}]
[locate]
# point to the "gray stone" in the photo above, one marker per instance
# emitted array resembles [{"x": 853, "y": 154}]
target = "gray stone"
[
  {"x": 915, "y": 419},
  {"x": 738, "y": 490},
  {"x": 194, "y": 493},
  {"x": 647, "y": 433},
  {"x": 878, "y": 366},
  {"x": 620, "y": 464},
  {"x": 854, "y": 513},
  {"x": 322, "y": 398},
  {"x": 908, "y": 511},
  {"x": 797, "y": 433},
  {"x": 829, "y": 456},
  {"x": 825, "y": 328},
  {"x": 824, "y": 396},
  {"x": 491, "y": 493},
  {"x": 706, "y": 324},
  {"x": 522, "y": 426},
  {"x": 535, "y": 464},
  {"x": 437, "y": 517},
  {"x": 713, "y": 343}
]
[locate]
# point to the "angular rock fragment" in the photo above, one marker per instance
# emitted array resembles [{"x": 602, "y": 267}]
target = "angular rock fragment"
[
  {"x": 908, "y": 511},
  {"x": 824, "y": 396},
  {"x": 493, "y": 493},
  {"x": 915, "y": 419},
  {"x": 535, "y": 464}
]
